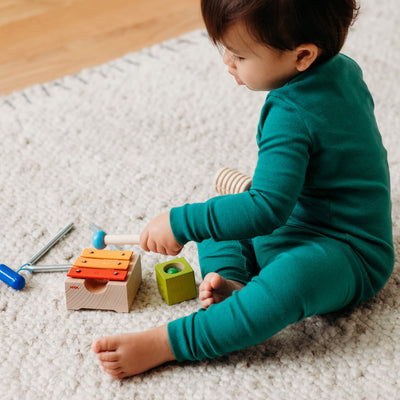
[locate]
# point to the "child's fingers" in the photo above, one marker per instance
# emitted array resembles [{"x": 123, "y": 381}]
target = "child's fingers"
[{"x": 143, "y": 240}]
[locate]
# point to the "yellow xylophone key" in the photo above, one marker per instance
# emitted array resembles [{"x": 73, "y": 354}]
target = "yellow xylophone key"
[{"x": 107, "y": 254}]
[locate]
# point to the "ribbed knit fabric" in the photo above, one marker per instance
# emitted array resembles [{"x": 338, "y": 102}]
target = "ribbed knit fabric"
[{"x": 321, "y": 168}]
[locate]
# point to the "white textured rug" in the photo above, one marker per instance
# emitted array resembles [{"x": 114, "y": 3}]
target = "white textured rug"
[{"x": 117, "y": 145}]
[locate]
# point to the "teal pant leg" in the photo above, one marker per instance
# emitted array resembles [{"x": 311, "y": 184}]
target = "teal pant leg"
[
  {"x": 307, "y": 255},
  {"x": 231, "y": 259},
  {"x": 301, "y": 279}
]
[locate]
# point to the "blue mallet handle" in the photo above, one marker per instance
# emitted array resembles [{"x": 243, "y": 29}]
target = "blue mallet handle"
[{"x": 11, "y": 278}]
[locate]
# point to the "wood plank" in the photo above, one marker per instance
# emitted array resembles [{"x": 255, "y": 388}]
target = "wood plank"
[
  {"x": 59, "y": 40},
  {"x": 14, "y": 10}
]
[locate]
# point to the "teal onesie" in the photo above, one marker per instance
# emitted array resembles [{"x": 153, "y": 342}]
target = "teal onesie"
[{"x": 313, "y": 234}]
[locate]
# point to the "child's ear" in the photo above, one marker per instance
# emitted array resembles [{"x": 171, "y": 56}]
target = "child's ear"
[{"x": 306, "y": 55}]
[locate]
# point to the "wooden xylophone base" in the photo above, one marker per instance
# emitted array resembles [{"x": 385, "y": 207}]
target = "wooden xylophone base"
[{"x": 102, "y": 294}]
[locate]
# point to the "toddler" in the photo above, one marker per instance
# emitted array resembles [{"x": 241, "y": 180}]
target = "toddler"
[{"x": 313, "y": 234}]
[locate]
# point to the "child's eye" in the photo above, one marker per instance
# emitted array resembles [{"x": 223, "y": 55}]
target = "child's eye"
[{"x": 238, "y": 58}]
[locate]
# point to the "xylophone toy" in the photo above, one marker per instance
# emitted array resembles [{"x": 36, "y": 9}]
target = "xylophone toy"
[
  {"x": 103, "y": 280},
  {"x": 175, "y": 279}
]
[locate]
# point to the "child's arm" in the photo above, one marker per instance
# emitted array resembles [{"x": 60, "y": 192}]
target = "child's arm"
[
  {"x": 158, "y": 237},
  {"x": 284, "y": 145}
]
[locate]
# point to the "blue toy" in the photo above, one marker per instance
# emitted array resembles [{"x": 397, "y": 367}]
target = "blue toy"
[
  {"x": 100, "y": 239},
  {"x": 16, "y": 281},
  {"x": 11, "y": 278}
]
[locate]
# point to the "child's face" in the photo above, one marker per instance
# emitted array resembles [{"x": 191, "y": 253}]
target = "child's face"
[{"x": 255, "y": 65}]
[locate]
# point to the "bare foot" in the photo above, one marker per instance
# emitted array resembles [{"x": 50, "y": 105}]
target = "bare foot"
[
  {"x": 215, "y": 289},
  {"x": 133, "y": 353}
]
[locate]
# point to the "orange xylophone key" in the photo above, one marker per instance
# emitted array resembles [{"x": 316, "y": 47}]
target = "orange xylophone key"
[{"x": 94, "y": 273}]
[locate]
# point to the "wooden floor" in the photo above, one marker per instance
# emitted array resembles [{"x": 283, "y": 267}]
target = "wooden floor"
[{"x": 41, "y": 40}]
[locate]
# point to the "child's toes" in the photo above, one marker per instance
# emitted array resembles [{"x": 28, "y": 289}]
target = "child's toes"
[
  {"x": 217, "y": 281},
  {"x": 114, "y": 373},
  {"x": 110, "y": 366},
  {"x": 204, "y": 294},
  {"x": 207, "y": 302},
  {"x": 104, "y": 344},
  {"x": 205, "y": 286},
  {"x": 108, "y": 356}
]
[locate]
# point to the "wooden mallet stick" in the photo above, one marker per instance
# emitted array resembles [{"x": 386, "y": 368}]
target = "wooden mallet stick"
[{"x": 100, "y": 239}]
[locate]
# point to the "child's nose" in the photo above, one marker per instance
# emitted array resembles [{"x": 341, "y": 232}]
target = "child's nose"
[{"x": 227, "y": 59}]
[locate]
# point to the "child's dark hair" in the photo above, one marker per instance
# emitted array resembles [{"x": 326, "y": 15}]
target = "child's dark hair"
[{"x": 284, "y": 24}]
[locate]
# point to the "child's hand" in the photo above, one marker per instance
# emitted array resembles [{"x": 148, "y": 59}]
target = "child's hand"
[{"x": 158, "y": 237}]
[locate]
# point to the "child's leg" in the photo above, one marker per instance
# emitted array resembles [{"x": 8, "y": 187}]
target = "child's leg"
[
  {"x": 133, "y": 353},
  {"x": 234, "y": 259},
  {"x": 225, "y": 267},
  {"x": 305, "y": 277}
]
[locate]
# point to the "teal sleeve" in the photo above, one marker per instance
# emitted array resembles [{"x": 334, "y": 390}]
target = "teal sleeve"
[{"x": 283, "y": 157}]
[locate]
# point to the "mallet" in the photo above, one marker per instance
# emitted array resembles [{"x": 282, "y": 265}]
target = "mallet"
[
  {"x": 100, "y": 239},
  {"x": 16, "y": 281}
]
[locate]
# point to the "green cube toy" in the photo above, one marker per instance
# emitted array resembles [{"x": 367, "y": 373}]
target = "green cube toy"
[{"x": 175, "y": 281}]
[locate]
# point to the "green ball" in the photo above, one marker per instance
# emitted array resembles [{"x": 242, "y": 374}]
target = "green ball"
[{"x": 172, "y": 270}]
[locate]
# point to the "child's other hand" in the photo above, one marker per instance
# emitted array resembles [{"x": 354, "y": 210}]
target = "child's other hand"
[{"x": 158, "y": 237}]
